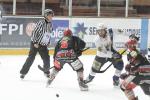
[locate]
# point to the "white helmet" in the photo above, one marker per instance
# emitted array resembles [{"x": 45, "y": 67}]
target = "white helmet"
[
  {"x": 101, "y": 26},
  {"x": 101, "y": 30}
]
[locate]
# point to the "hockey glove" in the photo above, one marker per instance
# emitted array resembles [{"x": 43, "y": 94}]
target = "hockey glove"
[
  {"x": 131, "y": 69},
  {"x": 128, "y": 67},
  {"x": 36, "y": 45},
  {"x": 79, "y": 53},
  {"x": 116, "y": 56},
  {"x": 123, "y": 76}
]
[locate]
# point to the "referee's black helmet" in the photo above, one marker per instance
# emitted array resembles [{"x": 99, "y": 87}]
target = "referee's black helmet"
[{"x": 48, "y": 12}]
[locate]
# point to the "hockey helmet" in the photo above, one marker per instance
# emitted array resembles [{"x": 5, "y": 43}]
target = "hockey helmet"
[
  {"x": 48, "y": 12},
  {"x": 134, "y": 37},
  {"x": 67, "y": 32},
  {"x": 101, "y": 30},
  {"x": 101, "y": 26}
]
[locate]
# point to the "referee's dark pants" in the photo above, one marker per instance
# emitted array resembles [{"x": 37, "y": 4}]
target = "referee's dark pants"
[{"x": 43, "y": 51}]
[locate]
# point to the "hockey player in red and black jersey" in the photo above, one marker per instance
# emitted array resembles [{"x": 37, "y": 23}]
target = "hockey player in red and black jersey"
[
  {"x": 67, "y": 50},
  {"x": 138, "y": 71}
]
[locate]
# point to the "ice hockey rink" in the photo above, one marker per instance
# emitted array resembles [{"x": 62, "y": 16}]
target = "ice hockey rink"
[{"x": 33, "y": 87}]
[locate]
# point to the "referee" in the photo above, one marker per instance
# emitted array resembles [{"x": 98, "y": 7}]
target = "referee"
[{"x": 39, "y": 41}]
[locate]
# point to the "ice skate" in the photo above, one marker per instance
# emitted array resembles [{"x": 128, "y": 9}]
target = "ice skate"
[
  {"x": 88, "y": 79},
  {"x": 22, "y": 76},
  {"x": 49, "y": 81},
  {"x": 116, "y": 81},
  {"x": 83, "y": 86}
]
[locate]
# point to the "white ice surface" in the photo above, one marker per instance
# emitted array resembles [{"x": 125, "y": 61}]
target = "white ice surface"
[{"x": 33, "y": 87}]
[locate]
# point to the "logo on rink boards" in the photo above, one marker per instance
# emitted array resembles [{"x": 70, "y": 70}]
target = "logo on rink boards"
[
  {"x": 11, "y": 28},
  {"x": 16, "y": 32}
]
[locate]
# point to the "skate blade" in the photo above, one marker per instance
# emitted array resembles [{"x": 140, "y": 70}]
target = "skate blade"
[{"x": 84, "y": 89}]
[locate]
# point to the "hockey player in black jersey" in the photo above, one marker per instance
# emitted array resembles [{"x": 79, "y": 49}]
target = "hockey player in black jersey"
[
  {"x": 138, "y": 72},
  {"x": 67, "y": 50}
]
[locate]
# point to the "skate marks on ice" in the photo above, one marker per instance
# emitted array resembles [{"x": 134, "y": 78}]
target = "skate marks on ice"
[{"x": 65, "y": 84}]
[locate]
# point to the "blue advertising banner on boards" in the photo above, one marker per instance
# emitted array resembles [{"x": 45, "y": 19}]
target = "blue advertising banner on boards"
[
  {"x": 15, "y": 32},
  {"x": 58, "y": 28},
  {"x": 144, "y": 35}
]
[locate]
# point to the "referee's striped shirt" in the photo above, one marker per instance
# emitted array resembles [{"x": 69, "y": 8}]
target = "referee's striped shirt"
[{"x": 41, "y": 33}]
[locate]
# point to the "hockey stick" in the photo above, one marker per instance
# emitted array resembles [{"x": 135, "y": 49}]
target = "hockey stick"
[
  {"x": 42, "y": 69},
  {"x": 85, "y": 49},
  {"x": 102, "y": 71}
]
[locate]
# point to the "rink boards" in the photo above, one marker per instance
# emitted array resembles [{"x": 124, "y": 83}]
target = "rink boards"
[
  {"x": 51, "y": 52},
  {"x": 15, "y": 32},
  {"x": 25, "y": 52}
]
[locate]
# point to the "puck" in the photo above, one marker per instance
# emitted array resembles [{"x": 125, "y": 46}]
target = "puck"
[{"x": 57, "y": 95}]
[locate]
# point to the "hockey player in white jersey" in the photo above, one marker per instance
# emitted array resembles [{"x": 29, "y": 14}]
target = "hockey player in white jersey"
[{"x": 105, "y": 53}]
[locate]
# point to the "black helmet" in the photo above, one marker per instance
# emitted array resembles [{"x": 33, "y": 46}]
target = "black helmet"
[
  {"x": 133, "y": 36},
  {"x": 47, "y": 12}
]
